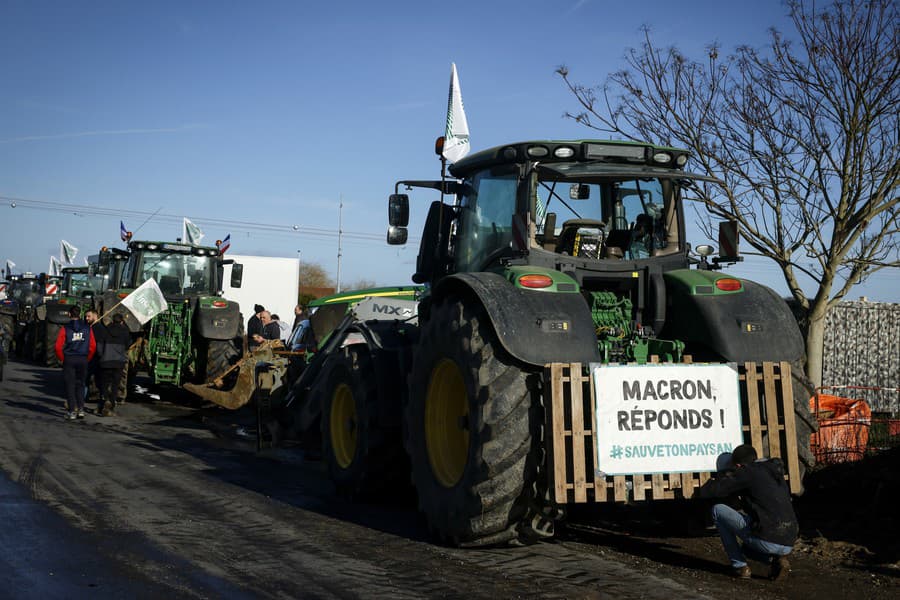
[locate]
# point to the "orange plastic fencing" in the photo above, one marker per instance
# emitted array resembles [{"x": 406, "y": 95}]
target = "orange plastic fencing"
[{"x": 843, "y": 428}]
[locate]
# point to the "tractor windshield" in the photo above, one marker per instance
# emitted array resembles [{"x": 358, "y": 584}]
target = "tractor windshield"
[
  {"x": 583, "y": 215},
  {"x": 176, "y": 274},
  {"x": 487, "y": 205},
  {"x": 26, "y": 291},
  {"x": 83, "y": 285}
]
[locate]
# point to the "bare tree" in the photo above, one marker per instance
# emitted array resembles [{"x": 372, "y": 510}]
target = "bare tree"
[
  {"x": 314, "y": 275},
  {"x": 360, "y": 284},
  {"x": 804, "y": 135}
]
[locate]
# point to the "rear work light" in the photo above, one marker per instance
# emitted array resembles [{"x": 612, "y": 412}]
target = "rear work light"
[
  {"x": 729, "y": 285},
  {"x": 535, "y": 281}
]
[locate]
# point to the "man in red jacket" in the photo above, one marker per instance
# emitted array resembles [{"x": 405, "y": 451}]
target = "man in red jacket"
[{"x": 75, "y": 347}]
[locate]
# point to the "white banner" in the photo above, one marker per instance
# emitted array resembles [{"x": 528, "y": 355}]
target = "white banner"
[
  {"x": 456, "y": 135},
  {"x": 665, "y": 418},
  {"x": 67, "y": 252},
  {"x": 146, "y": 301},
  {"x": 55, "y": 269},
  {"x": 191, "y": 234}
]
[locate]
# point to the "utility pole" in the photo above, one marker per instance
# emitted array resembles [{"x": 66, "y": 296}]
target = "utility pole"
[{"x": 340, "y": 236}]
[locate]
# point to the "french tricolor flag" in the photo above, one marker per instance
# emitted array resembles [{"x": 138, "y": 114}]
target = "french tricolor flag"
[{"x": 225, "y": 244}]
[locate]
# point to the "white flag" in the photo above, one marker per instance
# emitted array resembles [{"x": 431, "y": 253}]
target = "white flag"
[
  {"x": 146, "y": 301},
  {"x": 191, "y": 234},
  {"x": 67, "y": 252},
  {"x": 55, "y": 269},
  {"x": 456, "y": 136}
]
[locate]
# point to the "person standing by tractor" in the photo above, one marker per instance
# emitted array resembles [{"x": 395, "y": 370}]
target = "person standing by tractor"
[
  {"x": 767, "y": 524},
  {"x": 270, "y": 329},
  {"x": 112, "y": 349},
  {"x": 254, "y": 324},
  {"x": 75, "y": 346}
]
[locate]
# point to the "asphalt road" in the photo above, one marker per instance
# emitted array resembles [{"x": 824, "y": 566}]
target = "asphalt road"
[{"x": 168, "y": 501}]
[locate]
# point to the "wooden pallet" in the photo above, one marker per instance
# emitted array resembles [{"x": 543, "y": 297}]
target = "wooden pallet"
[{"x": 767, "y": 406}]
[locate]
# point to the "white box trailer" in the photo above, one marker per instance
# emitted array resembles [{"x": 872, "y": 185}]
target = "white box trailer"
[{"x": 270, "y": 281}]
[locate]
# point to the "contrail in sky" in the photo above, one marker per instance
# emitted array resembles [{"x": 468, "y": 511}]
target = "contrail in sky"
[{"x": 61, "y": 136}]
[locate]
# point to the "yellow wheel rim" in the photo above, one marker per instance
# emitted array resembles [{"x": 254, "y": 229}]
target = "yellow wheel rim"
[
  {"x": 342, "y": 425},
  {"x": 447, "y": 423}
]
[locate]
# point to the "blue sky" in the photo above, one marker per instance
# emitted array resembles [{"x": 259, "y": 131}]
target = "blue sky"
[{"x": 257, "y": 119}]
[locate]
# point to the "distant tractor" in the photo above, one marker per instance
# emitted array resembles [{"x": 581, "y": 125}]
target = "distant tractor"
[
  {"x": 200, "y": 335},
  {"x": 24, "y": 294},
  {"x": 78, "y": 286}
]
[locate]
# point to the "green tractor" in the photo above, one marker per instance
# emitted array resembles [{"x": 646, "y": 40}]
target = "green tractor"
[
  {"x": 200, "y": 335},
  {"x": 570, "y": 252},
  {"x": 77, "y": 286}
]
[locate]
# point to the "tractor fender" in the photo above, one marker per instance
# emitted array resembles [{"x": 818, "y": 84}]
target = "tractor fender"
[
  {"x": 535, "y": 327},
  {"x": 9, "y": 307},
  {"x": 752, "y": 325},
  {"x": 215, "y": 323},
  {"x": 55, "y": 313}
]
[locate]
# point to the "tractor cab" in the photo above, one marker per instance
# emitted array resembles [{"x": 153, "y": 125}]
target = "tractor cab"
[
  {"x": 180, "y": 270},
  {"x": 81, "y": 283}
]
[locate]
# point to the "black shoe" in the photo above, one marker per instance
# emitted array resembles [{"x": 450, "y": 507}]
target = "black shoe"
[{"x": 741, "y": 572}]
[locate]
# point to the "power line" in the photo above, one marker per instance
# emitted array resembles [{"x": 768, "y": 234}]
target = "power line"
[{"x": 226, "y": 224}]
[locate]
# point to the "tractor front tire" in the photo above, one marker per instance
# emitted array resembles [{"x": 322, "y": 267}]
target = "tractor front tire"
[
  {"x": 363, "y": 459},
  {"x": 472, "y": 427}
]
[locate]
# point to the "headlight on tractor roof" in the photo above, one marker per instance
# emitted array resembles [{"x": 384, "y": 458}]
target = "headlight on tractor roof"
[{"x": 564, "y": 152}]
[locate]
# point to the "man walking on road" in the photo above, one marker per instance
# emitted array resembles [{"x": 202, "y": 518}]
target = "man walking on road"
[
  {"x": 75, "y": 347},
  {"x": 767, "y": 525},
  {"x": 112, "y": 349}
]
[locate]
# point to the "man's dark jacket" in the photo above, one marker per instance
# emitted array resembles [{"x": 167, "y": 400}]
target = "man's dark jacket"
[
  {"x": 765, "y": 497},
  {"x": 254, "y": 326},
  {"x": 113, "y": 341}
]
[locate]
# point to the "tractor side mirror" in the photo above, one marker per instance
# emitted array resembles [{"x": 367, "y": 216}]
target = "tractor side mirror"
[
  {"x": 396, "y": 236},
  {"x": 729, "y": 236},
  {"x": 398, "y": 211},
  {"x": 237, "y": 275},
  {"x": 579, "y": 191}
]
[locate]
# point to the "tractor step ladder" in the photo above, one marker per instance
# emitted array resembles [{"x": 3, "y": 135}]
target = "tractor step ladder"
[{"x": 767, "y": 406}]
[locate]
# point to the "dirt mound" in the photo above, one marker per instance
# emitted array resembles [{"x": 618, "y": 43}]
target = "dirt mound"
[{"x": 854, "y": 506}]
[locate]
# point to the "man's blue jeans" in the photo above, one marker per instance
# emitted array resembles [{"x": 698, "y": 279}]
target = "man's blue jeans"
[{"x": 733, "y": 525}]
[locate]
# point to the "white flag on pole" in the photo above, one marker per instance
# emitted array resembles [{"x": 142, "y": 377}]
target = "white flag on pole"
[
  {"x": 55, "y": 269},
  {"x": 67, "y": 252},
  {"x": 456, "y": 136},
  {"x": 146, "y": 301},
  {"x": 191, "y": 234}
]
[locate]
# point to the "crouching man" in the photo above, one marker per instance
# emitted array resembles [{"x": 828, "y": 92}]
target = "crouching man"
[{"x": 767, "y": 524}]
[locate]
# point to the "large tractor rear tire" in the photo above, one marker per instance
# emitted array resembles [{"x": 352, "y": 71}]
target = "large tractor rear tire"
[
  {"x": 472, "y": 429},
  {"x": 363, "y": 459},
  {"x": 220, "y": 355},
  {"x": 7, "y": 332},
  {"x": 51, "y": 330}
]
